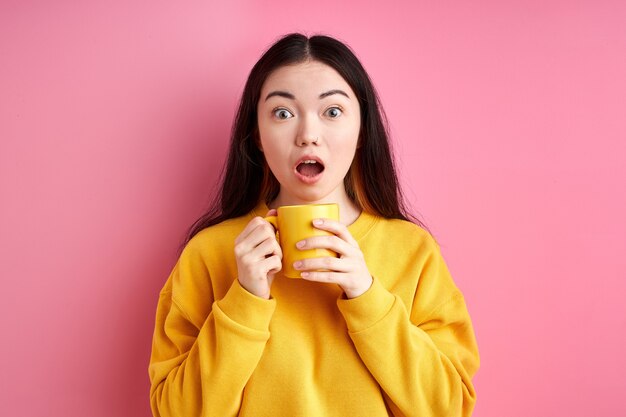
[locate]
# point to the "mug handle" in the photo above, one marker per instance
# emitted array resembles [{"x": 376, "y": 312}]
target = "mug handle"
[{"x": 273, "y": 220}]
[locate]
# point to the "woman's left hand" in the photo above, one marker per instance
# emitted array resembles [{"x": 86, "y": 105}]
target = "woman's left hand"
[{"x": 349, "y": 270}]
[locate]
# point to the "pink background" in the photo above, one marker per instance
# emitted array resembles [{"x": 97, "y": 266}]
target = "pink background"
[{"x": 509, "y": 123}]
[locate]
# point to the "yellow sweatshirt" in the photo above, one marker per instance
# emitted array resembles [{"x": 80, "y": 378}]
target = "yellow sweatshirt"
[{"x": 405, "y": 347}]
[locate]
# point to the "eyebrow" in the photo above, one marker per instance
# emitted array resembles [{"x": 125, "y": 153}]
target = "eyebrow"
[{"x": 292, "y": 97}]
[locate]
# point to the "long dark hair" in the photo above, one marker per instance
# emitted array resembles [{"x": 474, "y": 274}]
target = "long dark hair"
[{"x": 371, "y": 182}]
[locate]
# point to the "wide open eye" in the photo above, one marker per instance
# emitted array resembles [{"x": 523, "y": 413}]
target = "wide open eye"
[
  {"x": 282, "y": 114},
  {"x": 334, "y": 112}
]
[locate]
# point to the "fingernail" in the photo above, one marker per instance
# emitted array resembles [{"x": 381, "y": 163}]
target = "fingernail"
[
  {"x": 318, "y": 222},
  {"x": 297, "y": 264},
  {"x": 304, "y": 274},
  {"x": 300, "y": 244}
]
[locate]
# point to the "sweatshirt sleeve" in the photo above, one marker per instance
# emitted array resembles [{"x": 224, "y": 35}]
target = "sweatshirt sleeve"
[
  {"x": 202, "y": 368},
  {"x": 423, "y": 359}
]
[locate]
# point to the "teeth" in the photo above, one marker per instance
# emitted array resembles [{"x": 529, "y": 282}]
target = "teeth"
[{"x": 309, "y": 161}]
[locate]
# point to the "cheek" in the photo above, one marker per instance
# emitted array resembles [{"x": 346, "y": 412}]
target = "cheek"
[
  {"x": 349, "y": 138},
  {"x": 266, "y": 138},
  {"x": 272, "y": 148},
  {"x": 271, "y": 133}
]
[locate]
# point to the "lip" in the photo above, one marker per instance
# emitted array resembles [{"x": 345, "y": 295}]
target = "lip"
[{"x": 303, "y": 178}]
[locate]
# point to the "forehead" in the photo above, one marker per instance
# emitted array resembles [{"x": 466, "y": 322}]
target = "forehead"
[{"x": 311, "y": 77}]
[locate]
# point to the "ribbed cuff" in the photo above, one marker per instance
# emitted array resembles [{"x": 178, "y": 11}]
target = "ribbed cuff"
[
  {"x": 246, "y": 308},
  {"x": 367, "y": 309}
]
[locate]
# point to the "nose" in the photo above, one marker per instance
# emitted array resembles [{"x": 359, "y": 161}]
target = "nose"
[
  {"x": 302, "y": 141},
  {"x": 308, "y": 133}
]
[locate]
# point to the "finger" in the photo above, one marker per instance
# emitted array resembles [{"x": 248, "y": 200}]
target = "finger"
[
  {"x": 272, "y": 265},
  {"x": 270, "y": 247},
  {"x": 250, "y": 227},
  {"x": 333, "y": 243},
  {"x": 322, "y": 276},
  {"x": 335, "y": 228},
  {"x": 266, "y": 248},
  {"x": 263, "y": 231},
  {"x": 332, "y": 264}
]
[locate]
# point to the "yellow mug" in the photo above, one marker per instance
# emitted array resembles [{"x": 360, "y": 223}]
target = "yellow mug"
[{"x": 295, "y": 223}]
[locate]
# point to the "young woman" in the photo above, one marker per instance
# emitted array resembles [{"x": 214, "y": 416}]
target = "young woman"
[{"x": 384, "y": 332}]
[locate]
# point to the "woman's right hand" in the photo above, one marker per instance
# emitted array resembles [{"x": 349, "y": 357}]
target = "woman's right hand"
[{"x": 258, "y": 256}]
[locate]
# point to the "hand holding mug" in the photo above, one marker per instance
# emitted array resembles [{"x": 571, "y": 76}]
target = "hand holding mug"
[
  {"x": 295, "y": 223},
  {"x": 258, "y": 256},
  {"x": 349, "y": 270}
]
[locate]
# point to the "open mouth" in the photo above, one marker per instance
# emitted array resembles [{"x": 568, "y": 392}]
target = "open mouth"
[{"x": 310, "y": 168}]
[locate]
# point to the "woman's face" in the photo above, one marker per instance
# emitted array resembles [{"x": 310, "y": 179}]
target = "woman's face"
[{"x": 309, "y": 122}]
